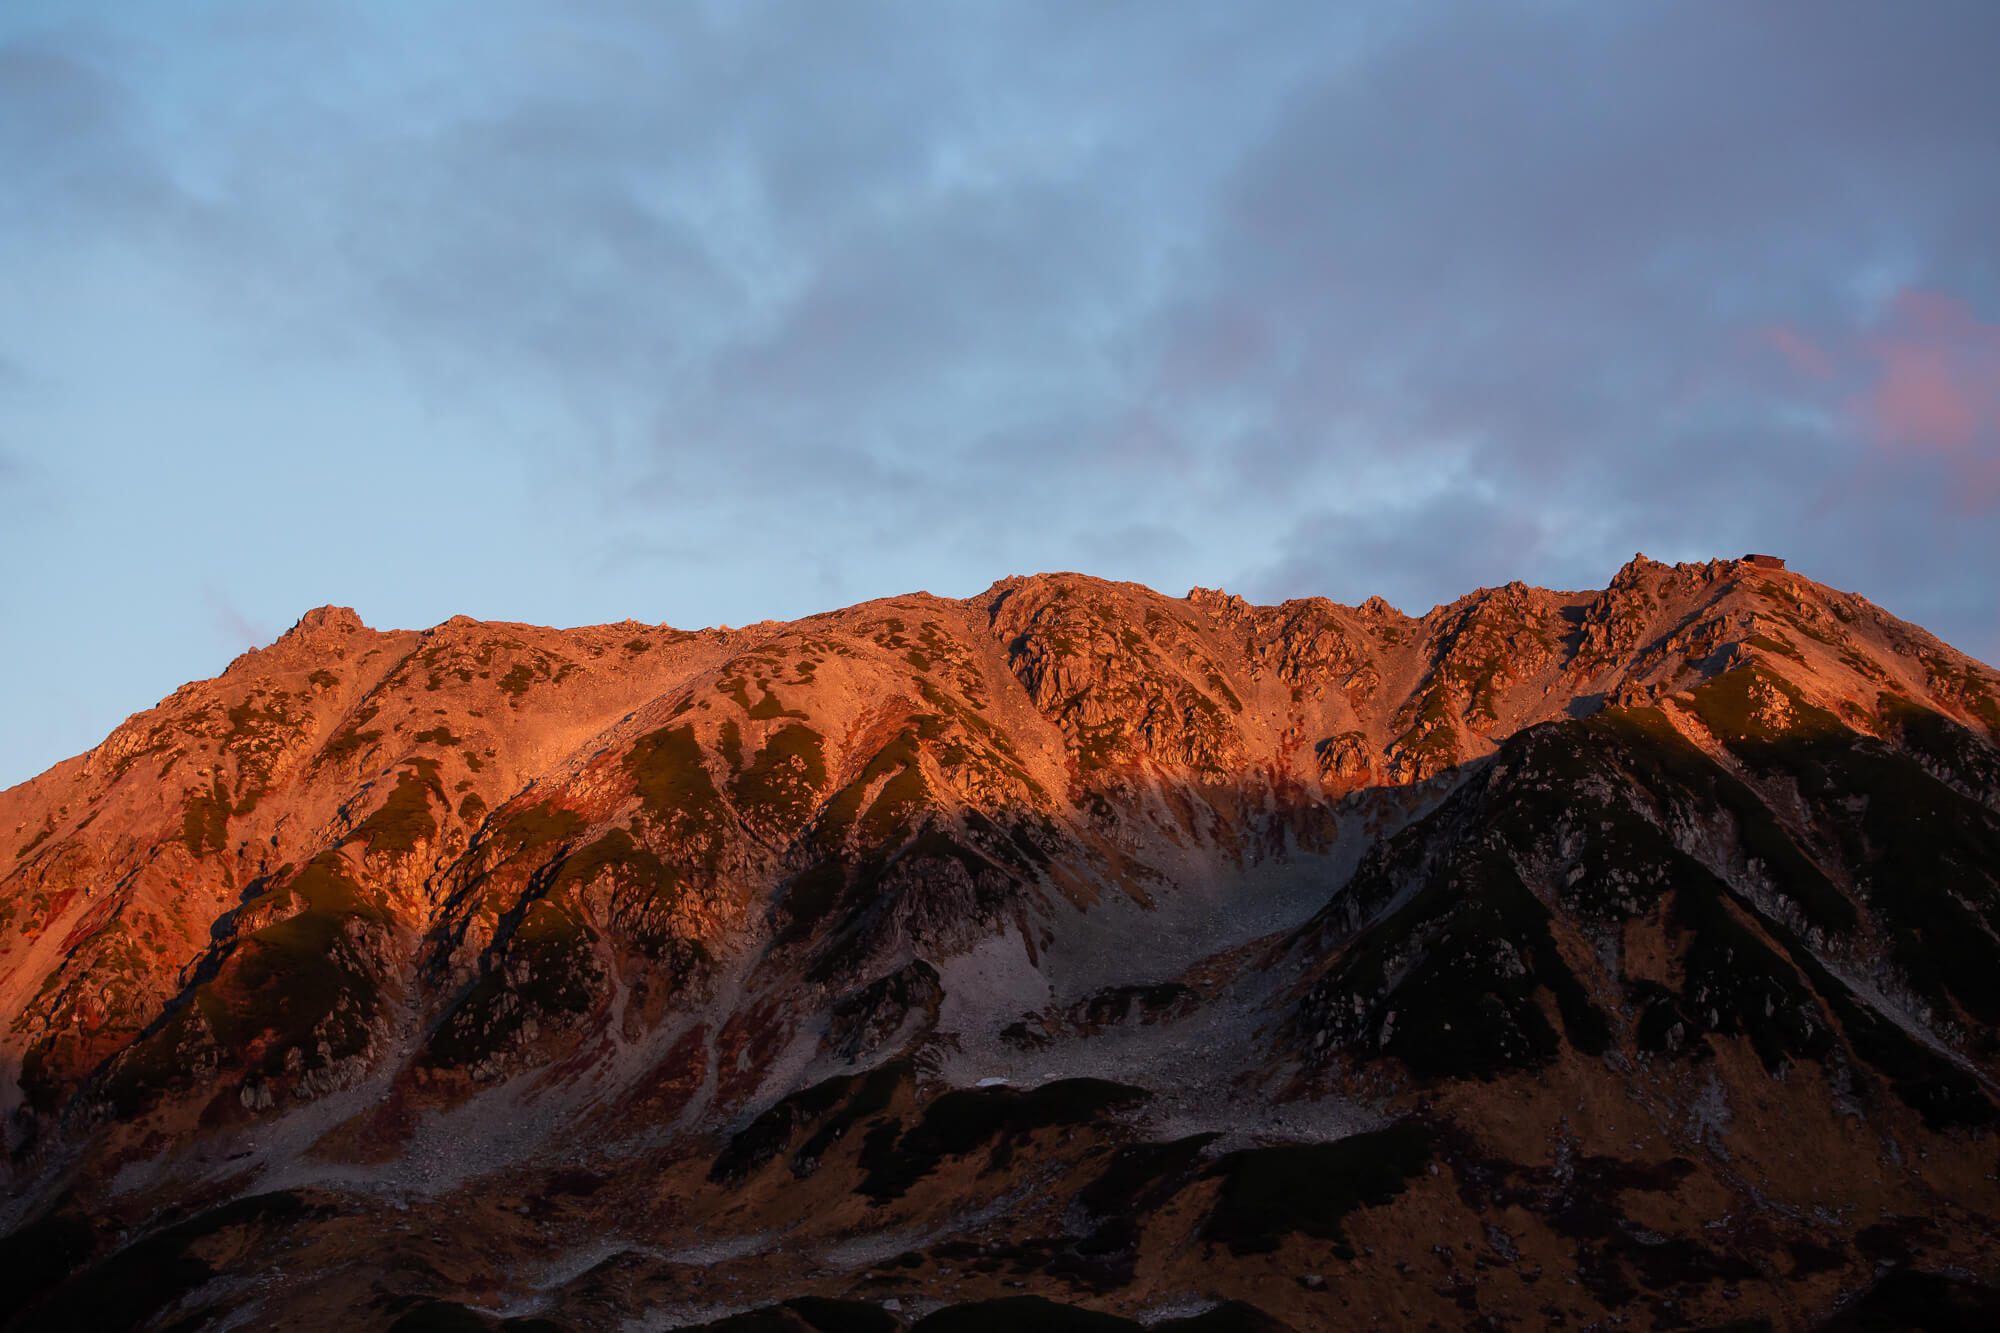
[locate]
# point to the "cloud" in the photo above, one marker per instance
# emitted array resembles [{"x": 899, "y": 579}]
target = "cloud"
[
  {"x": 1800, "y": 352},
  {"x": 778, "y": 303},
  {"x": 1501, "y": 273},
  {"x": 1919, "y": 380},
  {"x": 68, "y": 145},
  {"x": 1408, "y": 556},
  {"x": 1936, "y": 379},
  {"x": 229, "y": 623}
]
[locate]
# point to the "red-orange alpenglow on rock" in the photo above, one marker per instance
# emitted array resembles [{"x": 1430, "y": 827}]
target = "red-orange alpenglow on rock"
[{"x": 1052, "y": 958}]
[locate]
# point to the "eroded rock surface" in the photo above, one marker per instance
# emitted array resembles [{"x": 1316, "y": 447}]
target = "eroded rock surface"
[{"x": 1555, "y": 957}]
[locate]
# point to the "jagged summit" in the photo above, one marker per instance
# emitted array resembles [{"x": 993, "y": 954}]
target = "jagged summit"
[
  {"x": 323, "y": 620},
  {"x": 734, "y": 923}
]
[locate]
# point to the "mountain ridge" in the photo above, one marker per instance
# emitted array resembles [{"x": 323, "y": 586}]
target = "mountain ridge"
[{"x": 408, "y": 910}]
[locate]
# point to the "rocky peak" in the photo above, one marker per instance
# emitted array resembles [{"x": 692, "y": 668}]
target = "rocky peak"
[
  {"x": 326, "y": 620},
  {"x": 794, "y": 889},
  {"x": 1228, "y": 608},
  {"x": 1639, "y": 571}
]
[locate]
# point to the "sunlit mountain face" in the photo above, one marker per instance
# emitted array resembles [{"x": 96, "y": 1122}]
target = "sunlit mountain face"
[{"x": 1066, "y": 957}]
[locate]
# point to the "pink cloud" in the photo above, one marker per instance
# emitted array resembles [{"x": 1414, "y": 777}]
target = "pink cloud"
[
  {"x": 1936, "y": 384},
  {"x": 1922, "y": 384},
  {"x": 1803, "y": 353}
]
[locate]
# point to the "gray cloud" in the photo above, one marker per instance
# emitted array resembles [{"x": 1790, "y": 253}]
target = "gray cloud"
[
  {"x": 1537, "y": 255},
  {"x": 1376, "y": 300},
  {"x": 1401, "y": 554},
  {"x": 67, "y": 146}
]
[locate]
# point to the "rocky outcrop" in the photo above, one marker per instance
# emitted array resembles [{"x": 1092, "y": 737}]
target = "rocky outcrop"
[{"x": 1713, "y": 836}]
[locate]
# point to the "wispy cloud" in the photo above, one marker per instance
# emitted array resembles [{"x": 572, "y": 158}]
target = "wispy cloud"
[
  {"x": 1936, "y": 380},
  {"x": 1920, "y": 380},
  {"x": 236, "y": 630}
]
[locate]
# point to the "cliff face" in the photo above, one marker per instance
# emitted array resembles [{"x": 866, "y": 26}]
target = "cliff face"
[{"x": 1605, "y": 914}]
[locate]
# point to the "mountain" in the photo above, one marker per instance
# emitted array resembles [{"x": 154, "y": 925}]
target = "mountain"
[{"x": 1069, "y": 956}]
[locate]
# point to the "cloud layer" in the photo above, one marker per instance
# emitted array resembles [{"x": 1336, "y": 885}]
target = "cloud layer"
[{"x": 708, "y": 313}]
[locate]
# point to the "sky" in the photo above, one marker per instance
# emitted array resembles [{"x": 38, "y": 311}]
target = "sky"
[{"x": 577, "y": 311}]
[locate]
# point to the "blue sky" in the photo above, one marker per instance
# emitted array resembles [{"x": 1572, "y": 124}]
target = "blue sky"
[{"x": 709, "y": 313}]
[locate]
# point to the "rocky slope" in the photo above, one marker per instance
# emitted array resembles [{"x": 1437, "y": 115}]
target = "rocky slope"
[{"x": 1559, "y": 958}]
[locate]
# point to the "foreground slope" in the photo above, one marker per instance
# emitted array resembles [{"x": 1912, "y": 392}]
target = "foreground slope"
[{"x": 1554, "y": 956}]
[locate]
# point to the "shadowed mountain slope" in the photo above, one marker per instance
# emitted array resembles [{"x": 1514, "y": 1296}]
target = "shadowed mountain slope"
[{"x": 1554, "y": 957}]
